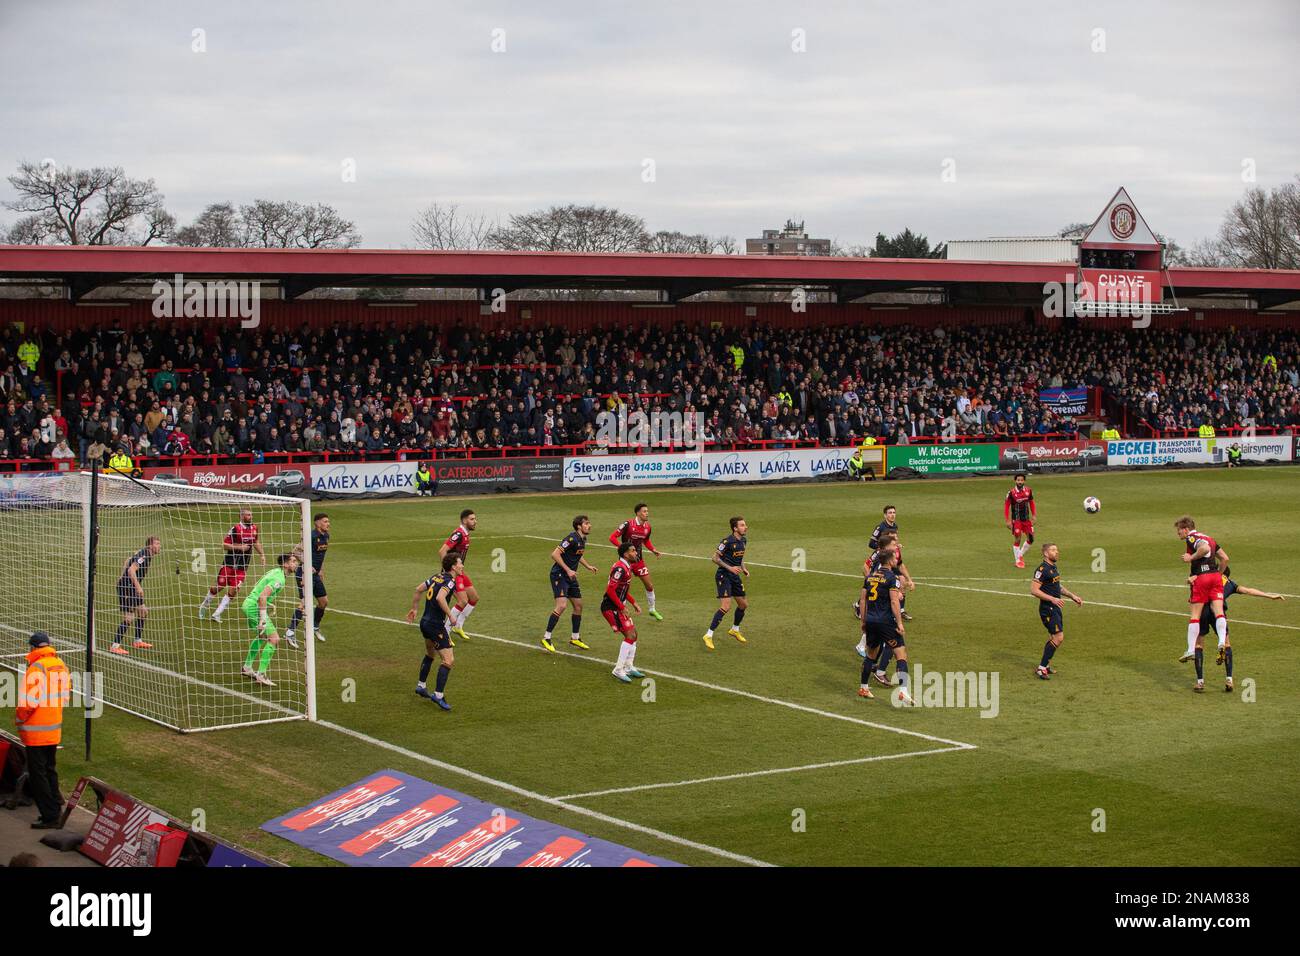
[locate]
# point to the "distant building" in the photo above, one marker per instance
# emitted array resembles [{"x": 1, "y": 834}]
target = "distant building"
[{"x": 790, "y": 241}]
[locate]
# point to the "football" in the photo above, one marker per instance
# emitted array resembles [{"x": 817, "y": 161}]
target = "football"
[{"x": 1091, "y": 505}]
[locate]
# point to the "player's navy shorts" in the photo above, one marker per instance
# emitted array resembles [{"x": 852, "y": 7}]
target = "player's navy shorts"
[
  {"x": 128, "y": 598},
  {"x": 1052, "y": 618},
  {"x": 317, "y": 585},
  {"x": 436, "y": 633},
  {"x": 729, "y": 585},
  {"x": 884, "y": 632},
  {"x": 562, "y": 586}
]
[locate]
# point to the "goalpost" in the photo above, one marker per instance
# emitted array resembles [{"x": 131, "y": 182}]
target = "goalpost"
[{"x": 190, "y": 679}]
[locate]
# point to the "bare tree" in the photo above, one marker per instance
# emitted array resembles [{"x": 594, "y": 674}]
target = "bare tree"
[
  {"x": 698, "y": 243},
  {"x": 1290, "y": 199},
  {"x": 218, "y": 226},
  {"x": 1260, "y": 231},
  {"x": 726, "y": 245},
  {"x": 292, "y": 225},
  {"x": 572, "y": 229},
  {"x": 1204, "y": 253},
  {"x": 447, "y": 227},
  {"x": 86, "y": 207},
  {"x": 854, "y": 250}
]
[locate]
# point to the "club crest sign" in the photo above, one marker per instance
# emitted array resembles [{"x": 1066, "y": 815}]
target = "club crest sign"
[{"x": 1123, "y": 221}]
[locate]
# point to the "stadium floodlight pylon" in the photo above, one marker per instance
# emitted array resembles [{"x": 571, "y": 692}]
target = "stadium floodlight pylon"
[{"x": 190, "y": 679}]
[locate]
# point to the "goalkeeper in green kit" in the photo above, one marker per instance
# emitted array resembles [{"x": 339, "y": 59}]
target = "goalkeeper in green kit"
[{"x": 257, "y": 611}]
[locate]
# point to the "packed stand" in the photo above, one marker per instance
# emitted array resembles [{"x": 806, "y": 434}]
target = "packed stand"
[{"x": 152, "y": 392}]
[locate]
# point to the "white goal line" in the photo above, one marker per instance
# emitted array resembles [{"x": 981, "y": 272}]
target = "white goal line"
[{"x": 74, "y": 647}]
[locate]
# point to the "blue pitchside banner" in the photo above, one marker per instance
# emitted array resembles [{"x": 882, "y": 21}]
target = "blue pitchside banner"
[
  {"x": 392, "y": 819},
  {"x": 1065, "y": 401}
]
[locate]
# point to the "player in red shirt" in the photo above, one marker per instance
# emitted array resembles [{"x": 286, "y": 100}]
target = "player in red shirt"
[
  {"x": 613, "y": 607},
  {"x": 466, "y": 596},
  {"x": 637, "y": 532},
  {"x": 1019, "y": 512},
  {"x": 239, "y": 544},
  {"x": 1207, "y": 561}
]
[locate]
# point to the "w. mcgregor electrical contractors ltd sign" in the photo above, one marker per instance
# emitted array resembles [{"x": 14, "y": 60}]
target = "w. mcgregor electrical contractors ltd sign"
[{"x": 944, "y": 459}]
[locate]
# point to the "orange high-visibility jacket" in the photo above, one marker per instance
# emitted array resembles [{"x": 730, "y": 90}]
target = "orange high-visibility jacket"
[{"x": 46, "y": 690}]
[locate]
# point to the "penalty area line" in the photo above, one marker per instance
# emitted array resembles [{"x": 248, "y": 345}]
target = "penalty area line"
[
  {"x": 760, "y": 773},
  {"x": 950, "y": 744},
  {"x": 559, "y": 802}
]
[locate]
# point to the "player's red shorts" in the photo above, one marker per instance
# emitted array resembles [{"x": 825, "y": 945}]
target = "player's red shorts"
[
  {"x": 229, "y": 577},
  {"x": 639, "y": 569},
  {"x": 463, "y": 582},
  {"x": 1207, "y": 588},
  {"x": 1022, "y": 527},
  {"x": 618, "y": 620}
]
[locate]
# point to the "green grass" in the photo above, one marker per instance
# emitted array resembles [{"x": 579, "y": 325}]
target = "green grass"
[{"x": 1182, "y": 778}]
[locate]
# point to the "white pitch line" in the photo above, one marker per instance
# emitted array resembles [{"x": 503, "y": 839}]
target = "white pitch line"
[
  {"x": 1120, "y": 607},
  {"x": 950, "y": 587},
  {"x": 1096, "y": 579},
  {"x": 552, "y": 801},
  {"x": 955, "y": 744},
  {"x": 759, "y": 773},
  {"x": 840, "y": 574}
]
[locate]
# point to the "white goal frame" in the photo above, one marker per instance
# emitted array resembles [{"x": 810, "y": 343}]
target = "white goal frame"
[{"x": 92, "y": 642}]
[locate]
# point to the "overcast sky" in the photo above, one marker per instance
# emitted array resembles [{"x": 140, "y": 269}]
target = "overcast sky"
[{"x": 852, "y": 134}]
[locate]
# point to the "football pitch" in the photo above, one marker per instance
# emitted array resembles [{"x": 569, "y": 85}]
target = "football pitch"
[{"x": 762, "y": 753}]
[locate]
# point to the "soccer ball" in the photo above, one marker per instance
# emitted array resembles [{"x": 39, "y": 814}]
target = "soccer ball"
[{"x": 1091, "y": 505}]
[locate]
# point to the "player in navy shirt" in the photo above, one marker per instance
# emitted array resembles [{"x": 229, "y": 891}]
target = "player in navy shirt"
[
  {"x": 882, "y": 623},
  {"x": 1230, "y": 587},
  {"x": 130, "y": 596},
  {"x": 435, "y": 625},
  {"x": 890, "y": 527},
  {"x": 1051, "y": 595},
  {"x": 320, "y": 542},
  {"x": 566, "y": 558},
  {"x": 730, "y": 580}
]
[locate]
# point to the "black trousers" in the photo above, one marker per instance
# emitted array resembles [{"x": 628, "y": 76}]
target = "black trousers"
[{"x": 43, "y": 781}]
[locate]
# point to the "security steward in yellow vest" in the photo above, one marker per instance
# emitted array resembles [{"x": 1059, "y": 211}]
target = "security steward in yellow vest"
[
  {"x": 424, "y": 479},
  {"x": 46, "y": 690},
  {"x": 1111, "y": 434},
  {"x": 1206, "y": 431},
  {"x": 121, "y": 463},
  {"x": 857, "y": 467}
]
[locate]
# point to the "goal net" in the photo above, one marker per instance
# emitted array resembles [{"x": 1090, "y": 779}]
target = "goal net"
[{"x": 194, "y": 673}]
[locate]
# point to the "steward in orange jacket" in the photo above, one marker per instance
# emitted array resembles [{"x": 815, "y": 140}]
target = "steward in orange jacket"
[{"x": 46, "y": 690}]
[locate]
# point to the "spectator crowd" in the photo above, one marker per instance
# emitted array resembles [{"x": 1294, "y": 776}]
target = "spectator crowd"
[{"x": 209, "y": 389}]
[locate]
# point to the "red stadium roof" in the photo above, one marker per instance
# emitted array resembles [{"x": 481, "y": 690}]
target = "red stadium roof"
[{"x": 85, "y": 268}]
